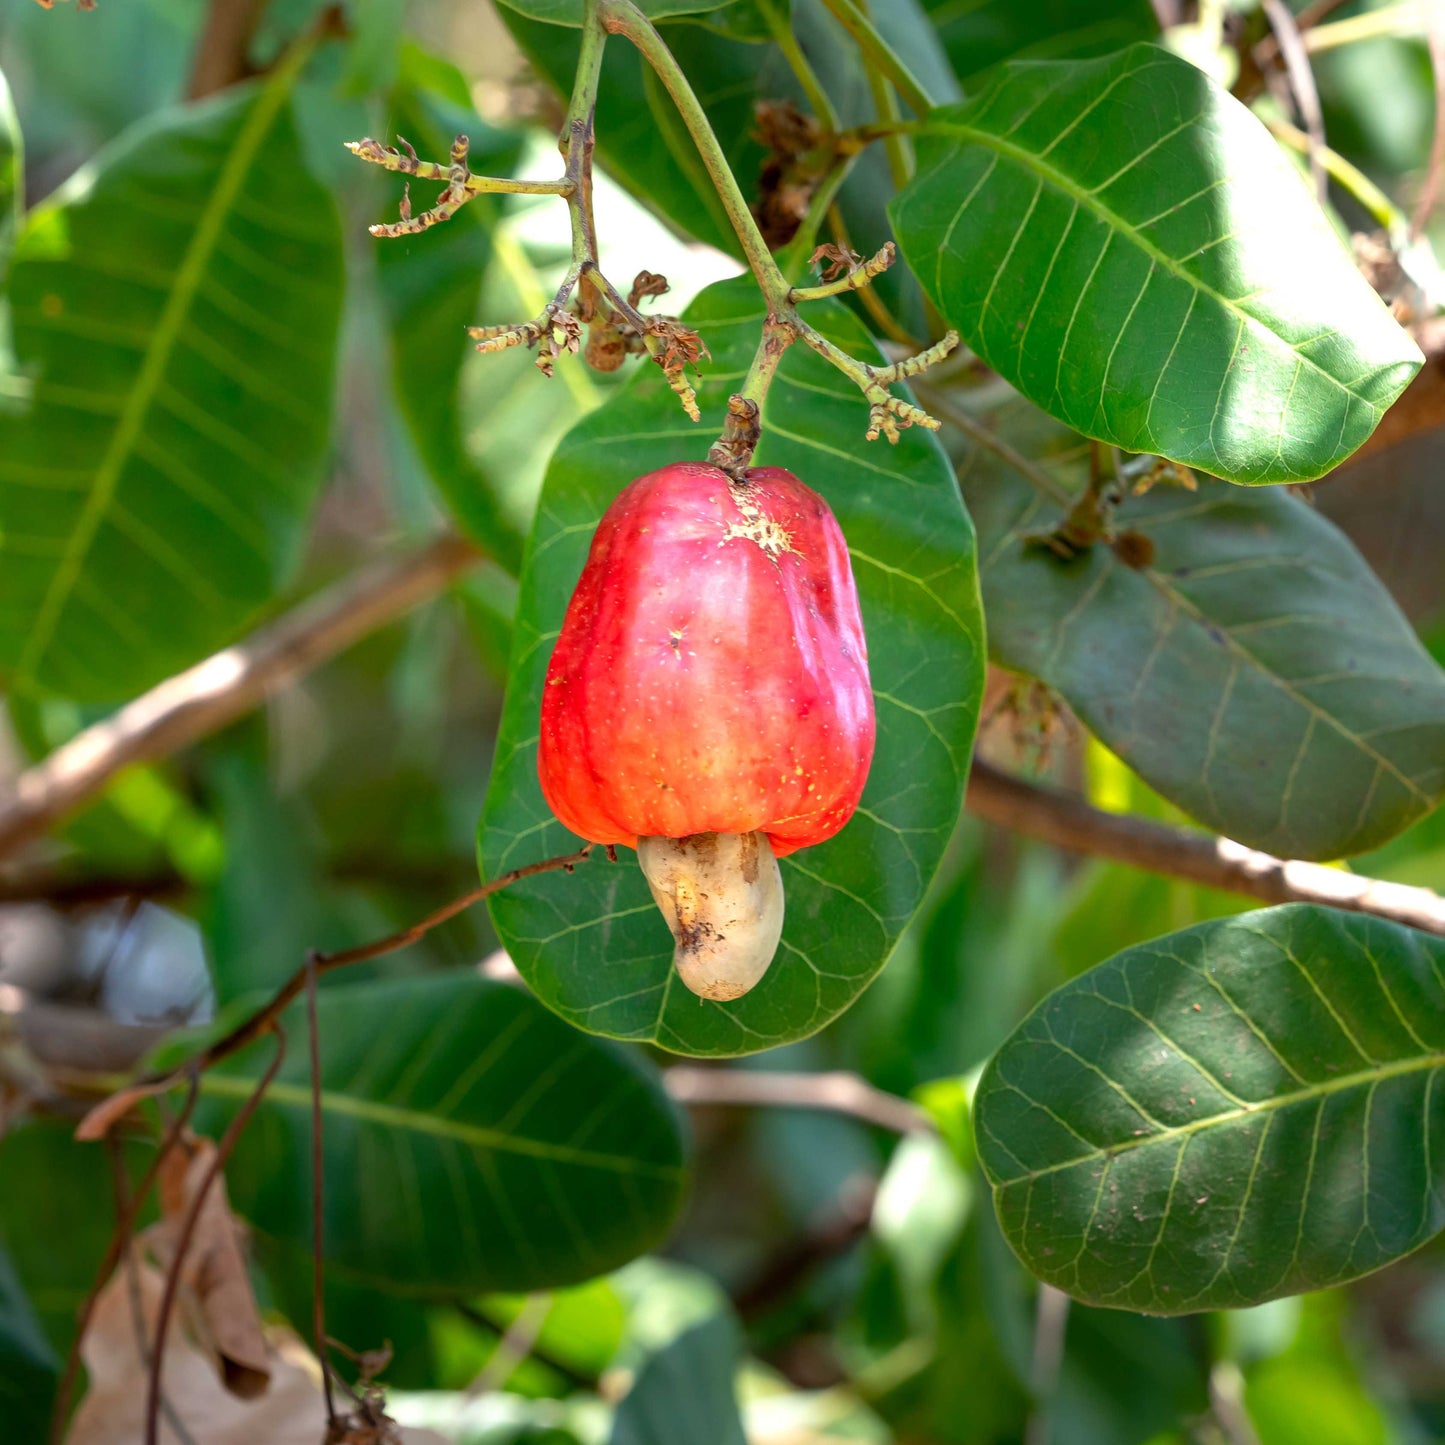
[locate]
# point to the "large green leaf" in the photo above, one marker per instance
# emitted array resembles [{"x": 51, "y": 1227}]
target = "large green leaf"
[
  {"x": 1124, "y": 242},
  {"x": 473, "y": 1141},
  {"x": 592, "y": 945},
  {"x": 28, "y": 1366},
  {"x": 1255, "y": 672},
  {"x": 177, "y": 308},
  {"x": 979, "y": 34},
  {"x": 430, "y": 288},
  {"x": 1239, "y": 1111}
]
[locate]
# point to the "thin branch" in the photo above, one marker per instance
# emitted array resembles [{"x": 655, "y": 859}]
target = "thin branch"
[
  {"x": 318, "y": 1200},
  {"x": 104, "y": 1115},
  {"x": 834, "y": 1093},
  {"x": 1069, "y": 822},
  {"x": 1430, "y": 191},
  {"x": 1051, "y": 1323},
  {"x": 188, "y": 1229},
  {"x": 224, "y": 49},
  {"x": 205, "y": 698},
  {"x": 1302, "y": 85}
]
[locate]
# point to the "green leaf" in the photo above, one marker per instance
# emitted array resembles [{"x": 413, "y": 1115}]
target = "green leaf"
[
  {"x": 473, "y": 1141},
  {"x": 1124, "y": 242},
  {"x": 177, "y": 305},
  {"x": 591, "y": 944},
  {"x": 429, "y": 289},
  {"x": 684, "y": 1394},
  {"x": 1232, "y": 1113},
  {"x": 56, "y": 1189},
  {"x": 1255, "y": 672},
  {"x": 569, "y": 12},
  {"x": 28, "y": 1366},
  {"x": 979, "y": 34}
]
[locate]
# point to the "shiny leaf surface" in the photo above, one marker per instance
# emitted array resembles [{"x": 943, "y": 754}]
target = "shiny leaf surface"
[
  {"x": 1239, "y": 1111},
  {"x": 1124, "y": 242}
]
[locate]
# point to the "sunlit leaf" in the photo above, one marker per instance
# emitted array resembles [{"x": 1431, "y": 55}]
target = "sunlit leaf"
[
  {"x": 175, "y": 307},
  {"x": 473, "y": 1141},
  {"x": 1239, "y": 1111},
  {"x": 12, "y": 172},
  {"x": 591, "y": 944},
  {"x": 1123, "y": 241}
]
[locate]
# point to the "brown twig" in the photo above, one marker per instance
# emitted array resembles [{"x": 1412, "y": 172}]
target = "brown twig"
[
  {"x": 120, "y": 1238},
  {"x": 223, "y": 51},
  {"x": 1306, "y": 94},
  {"x": 188, "y": 1228},
  {"x": 195, "y": 703},
  {"x": 1430, "y": 190},
  {"x": 836, "y": 1093},
  {"x": 1068, "y": 822},
  {"x": 318, "y": 1211},
  {"x": 104, "y": 1115}
]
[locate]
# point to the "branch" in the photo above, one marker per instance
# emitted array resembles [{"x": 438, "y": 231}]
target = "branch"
[
  {"x": 1069, "y": 822},
  {"x": 205, "y": 698},
  {"x": 224, "y": 49},
  {"x": 834, "y": 1093}
]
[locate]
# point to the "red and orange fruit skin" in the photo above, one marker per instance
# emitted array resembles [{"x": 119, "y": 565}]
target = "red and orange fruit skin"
[{"x": 711, "y": 675}]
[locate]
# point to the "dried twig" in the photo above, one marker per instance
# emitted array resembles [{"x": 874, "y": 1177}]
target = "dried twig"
[
  {"x": 1296, "y": 60},
  {"x": 836, "y": 1093},
  {"x": 1430, "y": 190},
  {"x": 1069, "y": 822},
  {"x": 195, "y": 703}
]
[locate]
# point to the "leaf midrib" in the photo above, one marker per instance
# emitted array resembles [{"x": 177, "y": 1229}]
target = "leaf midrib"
[
  {"x": 157, "y": 359},
  {"x": 1047, "y": 173},
  {"x": 1362, "y": 1078},
  {"x": 393, "y": 1116}
]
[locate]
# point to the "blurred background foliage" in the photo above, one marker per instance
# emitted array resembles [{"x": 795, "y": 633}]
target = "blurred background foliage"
[{"x": 853, "y": 1283}]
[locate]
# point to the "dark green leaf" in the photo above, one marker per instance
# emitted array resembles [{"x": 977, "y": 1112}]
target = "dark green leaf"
[
  {"x": 177, "y": 307},
  {"x": 1255, "y": 671},
  {"x": 429, "y": 287},
  {"x": 1123, "y": 241},
  {"x": 592, "y": 945},
  {"x": 1235, "y": 1112},
  {"x": 979, "y": 34},
  {"x": 55, "y": 1189},
  {"x": 28, "y": 1366},
  {"x": 684, "y": 1394},
  {"x": 569, "y": 12},
  {"x": 473, "y": 1141}
]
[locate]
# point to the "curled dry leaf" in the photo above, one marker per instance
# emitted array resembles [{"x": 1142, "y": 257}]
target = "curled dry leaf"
[
  {"x": 290, "y": 1412},
  {"x": 215, "y": 1288}
]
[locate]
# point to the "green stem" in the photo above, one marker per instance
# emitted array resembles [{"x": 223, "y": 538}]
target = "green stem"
[
  {"x": 1406, "y": 18},
  {"x": 622, "y": 17},
  {"x": 885, "y": 104},
  {"x": 801, "y": 246},
  {"x": 807, "y": 77},
  {"x": 578, "y": 134},
  {"x": 880, "y": 55},
  {"x": 1354, "y": 180}
]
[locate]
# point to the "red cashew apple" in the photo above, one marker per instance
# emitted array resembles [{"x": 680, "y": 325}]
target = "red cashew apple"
[{"x": 708, "y": 702}]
